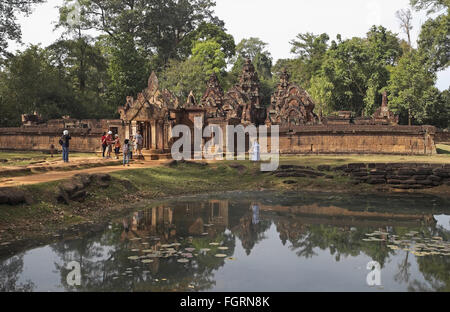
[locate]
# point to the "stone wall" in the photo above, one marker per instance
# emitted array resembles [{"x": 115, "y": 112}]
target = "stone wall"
[
  {"x": 323, "y": 139},
  {"x": 399, "y": 176},
  {"x": 442, "y": 137},
  {"x": 40, "y": 138},
  {"x": 359, "y": 139}
]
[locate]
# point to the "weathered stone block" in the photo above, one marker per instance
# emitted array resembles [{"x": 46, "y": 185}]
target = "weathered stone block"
[
  {"x": 406, "y": 172},
  {"x": 324, "y": 168},
  {"x": 373, "y": 180},
  {"x": 434, "y": 178},
  {"x": 12, "y": 196},
  {"x": 424, "y": 171}
]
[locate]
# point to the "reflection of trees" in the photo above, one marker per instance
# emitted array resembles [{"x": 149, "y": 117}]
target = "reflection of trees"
[
  {"x": 403, "y": 274},
  {"x": 340, "y": 241},
  {"x": 250, "y": 234},
  {"x": 436, "y": 271},
  {"x": 104, "y": 257},
  {"x": 10, "y": 271}
]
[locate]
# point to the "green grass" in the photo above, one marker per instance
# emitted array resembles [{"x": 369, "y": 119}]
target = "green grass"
[
  {"x": 19, "y": 158},
  {"x": 336, "y": 160},
  {"x": 443, "y": 149}
]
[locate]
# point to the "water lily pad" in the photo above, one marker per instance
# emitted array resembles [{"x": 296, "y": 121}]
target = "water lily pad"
[
  {"x": 166, "y": 245},
  {"x": 189, "y": 249},
  {"x": 222, "y": 248},
  {"x": 183, "y": 260},
  {"x": 147, "y": 250},
  {"x": 135, "y": 250},
  {"x": 133, "y": 257},
  {"x": 135, "y": 238},
  {"x": 214, "y": 244},
  {"x": 231, "y": 258},
  {"x": 147, "y": 261},
  {"x": 220, "y": 255},
  {"x": 205, "y": 249}
]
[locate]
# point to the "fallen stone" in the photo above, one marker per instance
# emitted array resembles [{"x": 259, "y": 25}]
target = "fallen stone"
[
  {"x": 324, "y": 167},
  {"x": 424, "y": 171},
  {"x": 406, "y": 172},
  {"x": 12, "y": 196}
]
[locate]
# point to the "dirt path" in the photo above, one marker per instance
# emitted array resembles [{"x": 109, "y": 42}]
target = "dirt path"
[{"x": 60, "y": 175}]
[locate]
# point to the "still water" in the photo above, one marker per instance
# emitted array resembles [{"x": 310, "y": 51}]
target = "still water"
[{"x": 252, "y": 242}]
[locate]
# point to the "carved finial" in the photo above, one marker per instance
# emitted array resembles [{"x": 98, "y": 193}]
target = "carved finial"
[
  {"x": 384, "y": 103},
  {"x": 191, "y": 101},
  {"x": 153, "y": 83}
]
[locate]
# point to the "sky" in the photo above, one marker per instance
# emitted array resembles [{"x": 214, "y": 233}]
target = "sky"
[{"x": 276, "y": 22}]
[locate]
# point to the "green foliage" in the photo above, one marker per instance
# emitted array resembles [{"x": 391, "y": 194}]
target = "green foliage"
[
  {"x": 210, "y": 55},
  {"x": 432, "y": 6},
  {"x": 31, "y": 84},
  {"x": 128, "y": 71},
  {"x": 206, "y": 32},
  {"x": 354, "y": 72},
  {"x": 310, "y": 50},
  {"x": 9, "y": 29},
  {"x": 434, "y": 41},
  {"x": 412, "y": 94}
]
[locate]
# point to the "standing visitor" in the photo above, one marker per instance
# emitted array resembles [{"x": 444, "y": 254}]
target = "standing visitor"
[
  {"x": 255, "y": 151},
  {"x": 131, "y": 147},
  {"x": 109, "y": 143},
  {"x": 52, "y": 150},
  {"x": 139, "y": 140},
  {"x": 117, "y": 146},
  {"x": 104, "y": 145},
  {"x": 126, "y": 152},
  {"x": 64, "y": 142}
]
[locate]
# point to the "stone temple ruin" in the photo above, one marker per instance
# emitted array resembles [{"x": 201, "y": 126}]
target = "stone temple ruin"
[{"x": 154, "y": 112}]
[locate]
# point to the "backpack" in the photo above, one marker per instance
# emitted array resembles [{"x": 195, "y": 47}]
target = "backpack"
[{"x": 61, "y": 142}]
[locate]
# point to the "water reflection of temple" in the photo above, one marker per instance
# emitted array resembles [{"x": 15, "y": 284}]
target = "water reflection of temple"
[{"x": 169, "y": 222}]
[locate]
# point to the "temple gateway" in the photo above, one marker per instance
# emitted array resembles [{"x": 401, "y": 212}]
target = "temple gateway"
[{"x": 154, "y": 112}]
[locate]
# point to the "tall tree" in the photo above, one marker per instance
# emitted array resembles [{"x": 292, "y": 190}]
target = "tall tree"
[
  {"x": 411, "y": 89},
  {"x": 434, "y": 39},
  {"x": 405, "y": 19},
  {"x": 31, "y": 84},
  {"x": 310, "y": 50},
  {"x": 9, "y": 28}
]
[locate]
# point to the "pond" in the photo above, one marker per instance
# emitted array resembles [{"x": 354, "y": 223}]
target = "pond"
[{"x": 252, "y": 241}]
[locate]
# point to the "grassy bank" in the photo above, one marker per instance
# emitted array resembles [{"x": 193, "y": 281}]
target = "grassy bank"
[
  {"x": 44, "y": 215},
  {"x": 25, "y": 158}
]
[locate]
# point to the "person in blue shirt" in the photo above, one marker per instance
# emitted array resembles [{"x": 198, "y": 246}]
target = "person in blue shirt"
[{"x": 64, "y": 142}]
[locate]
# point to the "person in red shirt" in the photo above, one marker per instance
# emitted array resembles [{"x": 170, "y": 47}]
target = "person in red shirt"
[
  {"x": 109, "y": 142},
  {"x": 104, "y": 144}
]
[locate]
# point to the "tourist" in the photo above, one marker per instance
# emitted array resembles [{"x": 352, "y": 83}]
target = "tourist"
[
  {"x": 109, "y": 142},
  {"x": 52, "y": 150},
  {"x": 139, "y": 140},
  {"x": 126, "y": 152},
  {"x": 117, "y": 146},
  {"x": 104, "y": 145},
  {"x": 64, "y": 142},
  {"x": 255, "y": 151},
  {"x": 131, "y": 147}
]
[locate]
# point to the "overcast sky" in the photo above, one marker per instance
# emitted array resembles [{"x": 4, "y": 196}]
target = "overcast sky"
[{"x": 276, "y": 22}]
